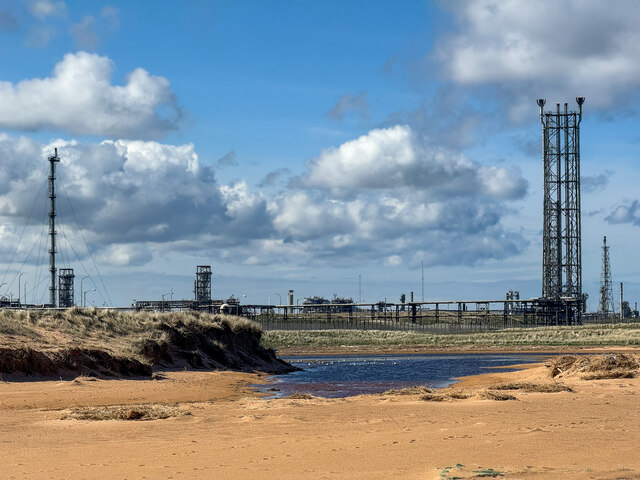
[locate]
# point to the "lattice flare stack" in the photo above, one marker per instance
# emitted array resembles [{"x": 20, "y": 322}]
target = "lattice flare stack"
[{"x": 562, "y": 250}]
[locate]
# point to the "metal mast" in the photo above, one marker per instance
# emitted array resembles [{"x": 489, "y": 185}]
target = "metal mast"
[
  {"x": 605, "y": 305},
  {"x": 561, "y": 243},
  {"x": 52, "y": 228}
]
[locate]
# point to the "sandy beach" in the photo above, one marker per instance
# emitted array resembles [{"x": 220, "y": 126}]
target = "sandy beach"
[{"x": 224, "y": 429}]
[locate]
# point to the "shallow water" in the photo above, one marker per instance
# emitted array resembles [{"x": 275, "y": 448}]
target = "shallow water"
[{"x": 334, "y": 376}]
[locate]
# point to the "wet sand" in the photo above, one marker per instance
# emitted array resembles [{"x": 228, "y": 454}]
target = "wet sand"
[{"x": 231, "y": 432}]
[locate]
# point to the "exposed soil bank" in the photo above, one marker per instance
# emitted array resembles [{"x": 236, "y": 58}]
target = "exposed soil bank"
[{"x": 115, "y": 344}]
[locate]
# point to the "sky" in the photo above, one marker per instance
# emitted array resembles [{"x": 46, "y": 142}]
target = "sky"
[{"x": 333, "y": 148}]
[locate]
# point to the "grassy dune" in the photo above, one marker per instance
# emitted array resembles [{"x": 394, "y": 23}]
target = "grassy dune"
[
  {"x": 120, "y": 333},
  {"x": 109, "y": 342},
  {"x": 574, "y": 336}
]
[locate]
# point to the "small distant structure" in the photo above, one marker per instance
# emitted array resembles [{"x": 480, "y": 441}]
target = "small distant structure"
[
  {"x": 315, "y": 304},
  {"x": 231, "y": 306},
  {"x": 202, "y": 286},
  {"x": 66, "y": 288},
  {"x": 605, "y": 305},
  {"x": 342, "y": 304},
  {"x": 513, "y": 306},
  {"x": 315, "y": 301}
]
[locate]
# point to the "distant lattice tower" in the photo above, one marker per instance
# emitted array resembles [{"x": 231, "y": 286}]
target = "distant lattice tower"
[
  {"x": 561, "y": 242},
  {"x": 65, "y": 288},
  {"x": 203, "y": 284},
  {"x": 606, "y": 306}
]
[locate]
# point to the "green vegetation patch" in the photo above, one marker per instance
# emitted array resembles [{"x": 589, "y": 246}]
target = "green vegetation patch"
[{"x": 564, "y": 336}]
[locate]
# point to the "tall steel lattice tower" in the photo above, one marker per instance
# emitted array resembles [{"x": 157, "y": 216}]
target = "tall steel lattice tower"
[
  {"x": 52, "y": 227},
  {"x": 561, "y": 242},
  {"x": 605, "y": 306},
  {"x": 203, "y": 284}
]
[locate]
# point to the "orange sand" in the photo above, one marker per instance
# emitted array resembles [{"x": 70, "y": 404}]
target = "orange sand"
[{"x": 233, "y": 433}]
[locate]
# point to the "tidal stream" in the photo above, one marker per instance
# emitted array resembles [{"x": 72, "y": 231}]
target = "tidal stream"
[{"x": 338, "y": 376}]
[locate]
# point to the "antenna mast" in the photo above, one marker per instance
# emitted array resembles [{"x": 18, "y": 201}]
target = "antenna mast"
[
  {"x": 606, "y": 286},
  {"x": 52, "y": 228}
]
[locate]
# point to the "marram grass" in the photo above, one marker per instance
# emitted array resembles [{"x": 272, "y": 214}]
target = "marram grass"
[{"x": 568, "y": 336}]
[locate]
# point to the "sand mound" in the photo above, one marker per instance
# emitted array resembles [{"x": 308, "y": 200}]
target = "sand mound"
[
  {"x": 124, "y": 412},
  {"x": 533, "y": 387},
  {"x": 301, "y": 396},
  {"x": 497, "y": 396},
  {"x": 462, "y": 395},
  {"x": 435, "y": 396},
  {"x": 595, "y": 367},
  {"x": 417, "y": 390}
]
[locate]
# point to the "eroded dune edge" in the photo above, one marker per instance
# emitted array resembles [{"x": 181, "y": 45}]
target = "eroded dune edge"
[{"x": 107, "y": 343}]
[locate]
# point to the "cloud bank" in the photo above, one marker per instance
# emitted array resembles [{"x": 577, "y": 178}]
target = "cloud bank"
[{"x": 405, "y": 202}]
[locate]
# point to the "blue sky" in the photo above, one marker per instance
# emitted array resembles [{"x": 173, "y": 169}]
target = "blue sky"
[{"x": 299, "y": 144}]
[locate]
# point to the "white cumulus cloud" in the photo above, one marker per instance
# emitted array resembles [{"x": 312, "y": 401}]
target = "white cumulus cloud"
[
  {"x": 557, "y": 49},
  {"x": 396, "y": 158},
  {"x": 79, "y": 98}
]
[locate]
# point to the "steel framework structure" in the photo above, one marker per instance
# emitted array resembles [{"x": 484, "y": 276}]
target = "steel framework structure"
[
  {"x": 65, "y": 288},
  {"x": 203, "y": 284},
  {"x": 52, "y": 227},
  {"x": 605, "y": 305},
  {"x": 561, "y": 243}
]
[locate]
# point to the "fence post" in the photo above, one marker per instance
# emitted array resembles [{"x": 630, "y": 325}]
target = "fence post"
[{"x": 504, "y": 316}]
